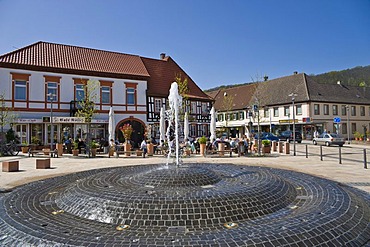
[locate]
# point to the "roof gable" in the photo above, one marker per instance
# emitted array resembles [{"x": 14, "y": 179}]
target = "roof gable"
[
  {"x": 241, "y": 97},
  {"x": 163, "y": 73}
]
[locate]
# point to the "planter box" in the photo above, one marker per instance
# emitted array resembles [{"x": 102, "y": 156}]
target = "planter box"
[
  {"x": 43, "y": 163},
  {"x": 11, "y": 166},
  {"x": 266, "y": 149}
]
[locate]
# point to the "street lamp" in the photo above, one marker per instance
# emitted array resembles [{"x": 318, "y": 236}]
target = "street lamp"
[
  {"x": 293, "y": 95},
  {"x": 51, "y": 98},
  {"x": 347, "y": 109}
]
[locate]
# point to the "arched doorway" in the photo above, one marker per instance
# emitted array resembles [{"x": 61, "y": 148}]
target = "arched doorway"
[{"x": 138, "y": 134}]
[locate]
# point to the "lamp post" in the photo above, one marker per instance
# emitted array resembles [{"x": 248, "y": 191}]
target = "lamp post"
[
  {"x": 348, "y": 130},
  {"x": 293, "y": 95},
  {"x": 51, "y": 98}
]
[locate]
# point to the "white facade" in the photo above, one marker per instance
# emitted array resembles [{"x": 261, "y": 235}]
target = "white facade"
[
  {"x": 306, "y": 119},
  {"x": 32, "y": 110}
]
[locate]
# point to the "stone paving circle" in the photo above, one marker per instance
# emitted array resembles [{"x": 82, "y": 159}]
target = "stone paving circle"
[{"x": 189, "y": 205}]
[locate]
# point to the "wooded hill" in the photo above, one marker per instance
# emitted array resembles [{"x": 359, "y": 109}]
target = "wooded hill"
[{"x": 357, "y": 76}]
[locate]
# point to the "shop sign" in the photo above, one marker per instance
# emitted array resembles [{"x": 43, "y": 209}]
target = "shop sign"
[
  {"x": 288, "y": 121},
  {"x": 28, "y": 120},
  {"x": 307, "y": 120},
  {"x": 68, "y": 120},
  {"x": 99, "y": 121}
]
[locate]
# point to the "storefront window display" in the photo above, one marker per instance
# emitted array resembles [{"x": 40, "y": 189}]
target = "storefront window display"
[{"x": 37, "y": 136}]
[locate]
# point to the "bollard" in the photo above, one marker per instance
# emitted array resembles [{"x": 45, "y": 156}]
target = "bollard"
[
  {"x": 320, "y": 152},
  {"x": 306, "y": 151},
  {"x": 365, "y": 161},
  {"x": 340, "y": 155}
]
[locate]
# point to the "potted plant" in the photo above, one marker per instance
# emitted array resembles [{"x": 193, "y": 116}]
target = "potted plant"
[
  {"x": 266, "y": 146},
  {"x": 148, "y": 135},
  {"x": 75, "y": 148},
  {"x": 93, "y": 147},
  {"x": 202, "y": 145},
  {"x": 25, "y": 147},
  {"x": 127, "y": 130},
  {"x": 357, "y": 135}
]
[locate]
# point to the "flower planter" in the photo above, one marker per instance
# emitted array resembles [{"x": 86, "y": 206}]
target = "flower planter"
[
  {"x": 93, "y": 152},
  {"x": 202, "y": 149},
  {"x": 127, "y": 147},
  {"x": 25, "y": 149},
  {"x": 150, "y": 148},
  {"x": 75, "y": 152},
  {"x": 266, "y": 149}
]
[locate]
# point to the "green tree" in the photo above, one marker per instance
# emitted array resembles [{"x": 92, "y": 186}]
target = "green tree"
[
  {"x": 86, "y": 107},
  {"x": 227, "y": 105},
  {"x": 6, "y": 116},
  {"x": 183, "y": 91}
]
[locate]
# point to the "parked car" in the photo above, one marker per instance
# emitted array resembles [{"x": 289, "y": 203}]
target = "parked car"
[
  {"x": 328, "y": 139},
  {"x": 267, "y": 136},
  {"x": 288, "y": 136}
]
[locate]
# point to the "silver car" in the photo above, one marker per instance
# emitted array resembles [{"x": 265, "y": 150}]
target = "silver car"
[{"x": 329, "y": 139}]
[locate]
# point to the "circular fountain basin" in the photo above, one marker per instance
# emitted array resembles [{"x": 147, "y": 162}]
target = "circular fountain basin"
[{"x": 190, "y": 205}]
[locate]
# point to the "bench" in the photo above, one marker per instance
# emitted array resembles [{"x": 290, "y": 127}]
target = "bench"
[
  {"x": 221, "y": 152},
  {"x": 11, "y": 166},
  {"x": 43, "y": 163},
  {"x": 128, "y": 153},
  {"x": 32, "y": 152}
]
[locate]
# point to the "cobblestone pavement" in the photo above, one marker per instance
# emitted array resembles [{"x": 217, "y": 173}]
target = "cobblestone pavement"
[{"x": 207, "y": 202}]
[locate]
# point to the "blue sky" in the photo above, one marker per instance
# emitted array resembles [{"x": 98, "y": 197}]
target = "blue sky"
[{"x": 216, "y": 42}]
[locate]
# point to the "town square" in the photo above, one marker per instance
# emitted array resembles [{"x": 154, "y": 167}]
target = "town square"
[{"x": 184, "y": 123}]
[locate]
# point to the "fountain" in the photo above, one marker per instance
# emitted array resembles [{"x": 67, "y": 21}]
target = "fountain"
[
  {"x": 175, "y": 103},
  {"x": 185, "y": 205}
]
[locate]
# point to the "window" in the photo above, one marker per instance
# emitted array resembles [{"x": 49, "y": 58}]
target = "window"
[
  {"x": 80, "y": 92},
  {"x": 316, "y": 109},
  {"x": 236, "y": 116},
  {"x": 20, "y": 91},
  {"x": 299, "y": 110},
  {"x": 20, "y": 86},
  {"x": 353, "y": 125},
  {"x": 204, "y": 109},
  {"x": 286, "y": 111},
  {"x": 193, "y": 106},
  {"x": 362, "y": 110},
  {"x": 241, "y": 115},
  {"x": 276, "y": 111},
  {"x": 131, "y": 93},
  {"x": 105, "y": 95},
  {"x": 192, "y": 130},
  {"x": 220, "y": 117},
  {"x": 344, "y": 128},
  {"x": 157, "y": 105},
  {"x": 130, "y": 96},
  {"x": 326, "y": 109},
  {"x": 52, "y": 89},
  {"x": 335, "y": 110},
  {"x": 353, "y": 110},
  {"x": 266, "y": 112},
  {"x": 344, "y": 110}
]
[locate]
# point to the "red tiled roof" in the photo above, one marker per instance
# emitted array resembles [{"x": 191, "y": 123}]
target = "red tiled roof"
[
  {"x": 241, "y": 97},
  {"x": 66, "y": 58},
  {"x": 163, "y": 72}
]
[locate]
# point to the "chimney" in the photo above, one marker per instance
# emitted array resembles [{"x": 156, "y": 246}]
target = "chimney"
[
  {"x": 265, "y": 77},
  {"x": 295, "y": 72},
  {"x": 163, "y": 55}
]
